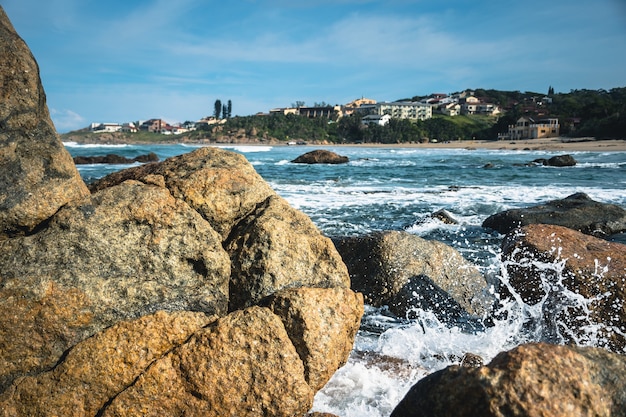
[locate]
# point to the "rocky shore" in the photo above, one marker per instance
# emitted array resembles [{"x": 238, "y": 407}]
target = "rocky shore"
[{"x": 189, "y": 287}]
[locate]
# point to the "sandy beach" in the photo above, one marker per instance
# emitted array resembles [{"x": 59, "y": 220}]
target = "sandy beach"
[{"x": 546, "y": 144}]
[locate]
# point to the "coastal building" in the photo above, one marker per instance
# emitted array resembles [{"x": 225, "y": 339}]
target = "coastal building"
[
  {"x": 527, "y": 128},
  {"x": 105, "y": 127},
  {"x": 329, "y": 112},
  {"x": 284, "y": 110},
  {"x": 355, "y": 105},
  {"x": 378, "y": 119},
  {"x": 401, "y": 110}
]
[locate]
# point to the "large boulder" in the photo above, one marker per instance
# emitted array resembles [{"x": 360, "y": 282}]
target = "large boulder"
[
  {"x": 222, "y": 186},
  {"x": 241, "y": 365},
  {"x": 322, "y": 324},
  {"x": 320, "y": 156},
  {"x": 578, "y": 212},
  {"x": 576, "y": 278},
  {"x": 557, "y": 161},
  {"x": 37, "y": 175},
  {"x": 127, "y": 251},
  {"x": 117, "y": 302},
  {"x": 277, "y": 247},
  {"x": 530, "y": 380},
  {"x": 96, "y": 370},
  {"x": 404, "y": 271}
]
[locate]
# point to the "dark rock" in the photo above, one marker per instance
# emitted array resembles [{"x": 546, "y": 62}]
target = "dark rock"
[
  {"x": 557, "y": 161},
  {"x": 578, "y": 212},
  {"x": 115, "y": 159},
  {"x": 530, "y": 380},
  {"x": 37, "y": 175},
  {"x": 558, "y": 266},
  {"x": 320, "y": 157},
  {"x": 389, "y": 267},
  {"x": 444, "y": 217}
]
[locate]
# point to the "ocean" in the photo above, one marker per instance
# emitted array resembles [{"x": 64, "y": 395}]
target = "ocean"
[{"x": 395, "y": 188}]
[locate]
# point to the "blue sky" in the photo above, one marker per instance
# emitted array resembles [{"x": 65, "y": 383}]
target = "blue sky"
[{"x": 122, "y": 60}]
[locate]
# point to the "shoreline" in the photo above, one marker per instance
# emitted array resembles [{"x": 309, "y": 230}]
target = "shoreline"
[{"x": 543, "y": 144}]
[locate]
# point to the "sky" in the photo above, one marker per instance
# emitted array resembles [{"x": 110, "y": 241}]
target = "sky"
[{"x": 127, "y": 60}]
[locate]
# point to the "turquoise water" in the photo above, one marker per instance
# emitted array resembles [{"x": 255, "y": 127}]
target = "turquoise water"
[{"x": 398, "y": 189}]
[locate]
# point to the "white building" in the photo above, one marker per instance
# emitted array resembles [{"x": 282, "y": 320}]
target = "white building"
[
  {"x": 400, "y": 110},
  {"x": 105, "y": 127},
  {"x": 381, "y": 120}
]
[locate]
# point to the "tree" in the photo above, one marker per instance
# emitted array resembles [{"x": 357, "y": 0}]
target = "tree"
[
  {"x": 298, "y": 104},
  {"x": 550, "y": 91},
  {"x": 230, "y": 109},
  {"x": 225, "y": 111},
  {"x": 218, "y": 108}
]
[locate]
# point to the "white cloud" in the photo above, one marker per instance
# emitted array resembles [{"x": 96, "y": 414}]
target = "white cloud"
[{"x": 65, "y": 120}]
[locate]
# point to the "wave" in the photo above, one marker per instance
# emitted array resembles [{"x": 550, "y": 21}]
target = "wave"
[
  {"x": 246, "y": 148},
  {"x": 94, "y": 145}
]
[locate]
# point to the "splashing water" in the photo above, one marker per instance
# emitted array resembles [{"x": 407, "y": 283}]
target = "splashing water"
[{"x": 390, "y": 355}]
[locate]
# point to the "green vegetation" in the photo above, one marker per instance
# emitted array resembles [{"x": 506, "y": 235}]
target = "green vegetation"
[{"x": 597, "y": 113}]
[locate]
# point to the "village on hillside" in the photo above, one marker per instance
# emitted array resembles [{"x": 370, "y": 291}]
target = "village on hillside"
[{"x": 371, "y": 112}]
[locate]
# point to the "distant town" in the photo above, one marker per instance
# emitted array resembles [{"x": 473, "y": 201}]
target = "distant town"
[{"x": 370, "y": 112}]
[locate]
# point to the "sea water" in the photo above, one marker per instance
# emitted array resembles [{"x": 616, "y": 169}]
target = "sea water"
[{"x": 394, "y": 188}]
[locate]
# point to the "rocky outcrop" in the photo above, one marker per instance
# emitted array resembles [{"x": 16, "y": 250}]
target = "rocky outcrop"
[
  {"x": 115, "y": 159},
  {"x": 530, "y": 380},
  {"x": 578, "y": 212},
  {"x": 557, "y": 161},
  {"x": 578, "y": 279},
  {"x": 101, "y": 367},
  {"x": 123, "y": 253},
  {"x": 222, "y": 186},
  {"x": 277, "y": 247},
  {"x": 320, "y": 156},
  {"x": 37, "y": 175},
  {"x": 122, "y": 302},
  {"x": 404, "y": 271}
]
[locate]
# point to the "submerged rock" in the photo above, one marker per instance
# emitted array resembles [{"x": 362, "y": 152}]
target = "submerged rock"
[
  {"x": 115, "y": 159},
  {"x": 557, "y": 161},
  {"x": 578, "y": 279},
  {"x": 530, "y": 380},
  {"x": 404, "y": 271},
  {"x": 37, "y": 175},
  {"x": 578, "y": 212},
  {"x": 320, "y": 157}
]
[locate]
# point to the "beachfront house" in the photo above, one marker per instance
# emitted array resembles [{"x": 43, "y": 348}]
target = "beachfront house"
[
  {"x": 528, "y": 128},
  {"x": 377, "y": 119}
]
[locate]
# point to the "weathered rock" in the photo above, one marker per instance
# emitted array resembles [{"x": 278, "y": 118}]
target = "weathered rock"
[
  {"x": 444, "y": 216},
  {"x": 555, "y": 266},
  {"x": 557, "y": 161},
  {"x": 388, "y": 267},
  {"x": 37, "y": 175},
  {"x": 241, "y": 365},
  {"x": 115, "y": 159},
  {"x": 530, "y": 380},
  {"x": 128, "y": 251},
  {"x": 221, "y": 185},
  {"x": 322, "y": 324},
  {"x": 277, "y": 247},
  {"x": 578, "y": 212},
  {"x": 97, "y": 369},
  {"x": 320, "y": 156}
]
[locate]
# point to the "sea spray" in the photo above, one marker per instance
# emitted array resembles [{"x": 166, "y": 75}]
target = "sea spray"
[{"x": 392, "y": 354}]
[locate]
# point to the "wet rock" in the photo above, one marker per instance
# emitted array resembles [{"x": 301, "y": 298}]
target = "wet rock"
[
  {"x": 555, "y": 266},
  {"x": 322, "y": 324},
  {"x": 37, "y": 175},
  {"x": 557, "y": 161},
  {"x": 578, "y": 212},
  {"x": 241, "y": 365},
  {"x": 404, "y": 271},
  {"x": 530, "y": 380},
  {"x": 115, "y": 159},
  {"x": 444, "y": 216},
  {"x": 320, "y": 157},
  {"x": 222, "y": 186},
  {"x": 96, "y": 370},
  {"x": 277, "y": 247},
  {"x": 125, "y": 252}
]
